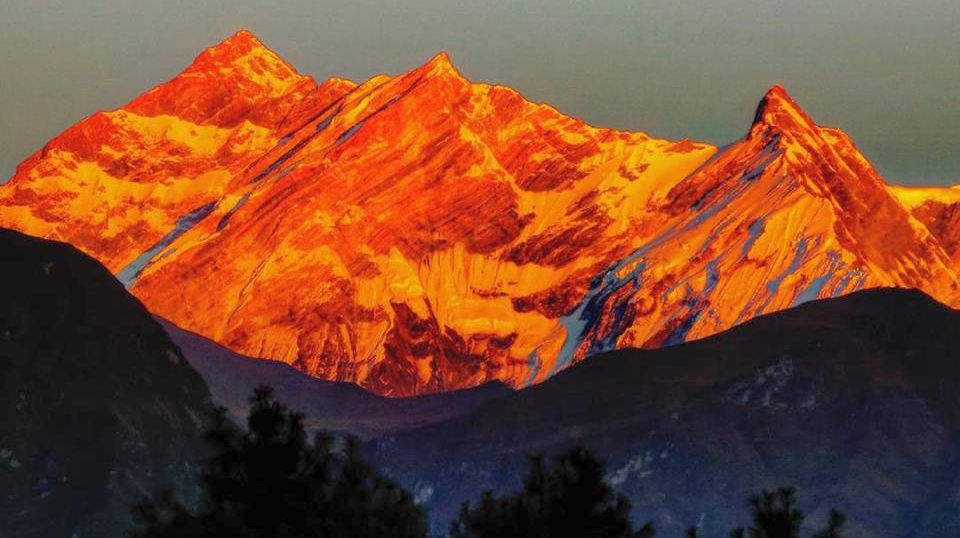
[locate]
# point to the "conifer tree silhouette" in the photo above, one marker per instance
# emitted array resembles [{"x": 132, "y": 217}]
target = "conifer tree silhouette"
[
  {"x": 271, "y": 481},
  {"x": 775, "y": 515},
  {"x": 570, "y": 498}
]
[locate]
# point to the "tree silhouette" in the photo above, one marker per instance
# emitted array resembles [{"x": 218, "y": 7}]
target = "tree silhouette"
[
  {"x": 571, "y": 498},
  {"x": 775, "y": 515},
  {"x": 270, "y": 481}
]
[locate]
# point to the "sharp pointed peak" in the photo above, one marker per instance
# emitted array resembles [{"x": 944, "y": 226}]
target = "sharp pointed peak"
[
  {"x": 244, "y": 54},
  {"x": 244, "y": 34},
  {"x": 238, "y": 69},
  {"x": 241, "y": 44},
  {"x": 779, "y": 111},
  {"x": 779, "y": 91},
  {"x": 440, "y": 65},
  {"x": 242, "y": 40},
  {"x": 441, "y": 58}
]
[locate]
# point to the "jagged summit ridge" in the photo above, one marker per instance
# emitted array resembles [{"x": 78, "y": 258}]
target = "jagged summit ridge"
[{"x": 238, "y": 79}]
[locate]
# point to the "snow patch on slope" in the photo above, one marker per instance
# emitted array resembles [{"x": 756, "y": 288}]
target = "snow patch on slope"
[{"x": 128, "y": 275}]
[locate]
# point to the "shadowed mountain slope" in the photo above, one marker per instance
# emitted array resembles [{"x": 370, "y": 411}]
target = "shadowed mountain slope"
[
  {"x": 97, "y": 405},
  {"x": 327, "y": 405},
  {"x": 855, "y": 400}
]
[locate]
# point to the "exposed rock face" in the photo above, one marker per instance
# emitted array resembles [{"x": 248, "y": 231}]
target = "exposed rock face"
[
  {"x": 938, "y": 208},
  {"x": 418, "y": 233},
  {"x": 97, "y": 405}
]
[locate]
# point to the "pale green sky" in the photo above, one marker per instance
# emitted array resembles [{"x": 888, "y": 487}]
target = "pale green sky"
[{"x": 888, "y": 72}]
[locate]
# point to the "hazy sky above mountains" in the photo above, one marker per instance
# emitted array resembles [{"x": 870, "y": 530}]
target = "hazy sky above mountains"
[{"x": 887, "y": 72}]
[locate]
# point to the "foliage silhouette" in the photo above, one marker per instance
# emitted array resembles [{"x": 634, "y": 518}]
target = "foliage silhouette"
[
  {"x": 271, "y": 481},
  {"x": 570, "y": 498},
  {"x": 775, "y": 515}
]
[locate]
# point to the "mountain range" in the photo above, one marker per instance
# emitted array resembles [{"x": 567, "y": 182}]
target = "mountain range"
[{"x": 421, "y": 233}]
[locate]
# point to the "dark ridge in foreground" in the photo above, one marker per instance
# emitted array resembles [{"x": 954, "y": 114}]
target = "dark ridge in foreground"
[
  {"x": 855, "y": 401},
  {"x": 328, "y": 405},
  {"x": 97, "y": 405}
]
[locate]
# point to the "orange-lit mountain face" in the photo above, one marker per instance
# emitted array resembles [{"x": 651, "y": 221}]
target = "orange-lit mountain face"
[
  {"x": 117, "y": 182},
  {"x": 420, "y": 232},
  {"x": 938, "y": 208}
]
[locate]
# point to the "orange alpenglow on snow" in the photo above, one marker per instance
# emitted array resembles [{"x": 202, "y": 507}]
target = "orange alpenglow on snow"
[{"x": 420, "y": 232}]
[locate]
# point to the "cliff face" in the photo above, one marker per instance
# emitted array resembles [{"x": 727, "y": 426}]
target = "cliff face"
[
  {"x": 938, "y": 208},
  {"x": 97, "y": 406},
  {"x": 420, "y": 232}
]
